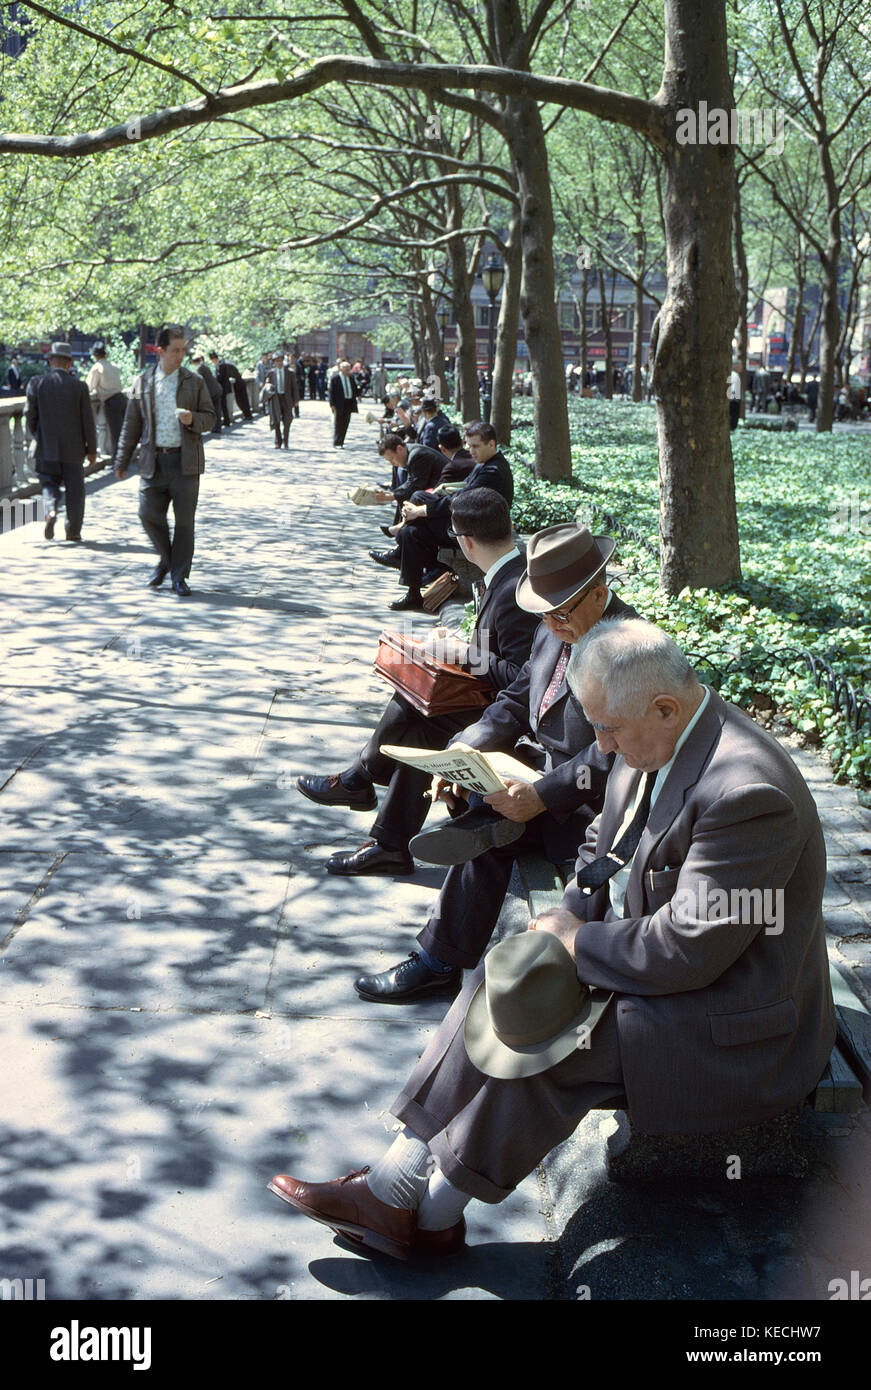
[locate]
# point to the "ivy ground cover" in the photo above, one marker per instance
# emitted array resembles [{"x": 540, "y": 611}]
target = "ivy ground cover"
[{"x": 804, "y": 519}]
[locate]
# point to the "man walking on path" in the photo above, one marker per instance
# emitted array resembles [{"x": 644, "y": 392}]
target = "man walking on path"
[
  {"x": 168, "y": 414},
  {"x": 343, "y": 402},
  {"x": 107, "y": 392},
  {"x": 60, "y": 418}
]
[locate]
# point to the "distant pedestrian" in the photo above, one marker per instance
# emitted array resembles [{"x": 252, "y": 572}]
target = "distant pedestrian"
[
  {"x": 107, "y": 398},
  {"x": 60, "y": 418},
  {"x": 343, "y": 402},
  {"x": 280, "y": 396},
  {"x": 260, "y": 373},
  {"x": 169, "y": 412},
  {"x": 812, "y": 392},
  {"x": 214, "y": 390},
  {"x": 733, "y": 396},
  {"x": 13, "y": 377}
]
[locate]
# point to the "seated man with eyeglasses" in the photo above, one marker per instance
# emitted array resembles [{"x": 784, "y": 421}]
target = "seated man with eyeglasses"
[{"x": 537, "y": 719}]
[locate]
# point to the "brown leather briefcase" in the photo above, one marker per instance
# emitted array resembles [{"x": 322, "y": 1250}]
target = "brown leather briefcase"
[{"x": 431, "y": 686}]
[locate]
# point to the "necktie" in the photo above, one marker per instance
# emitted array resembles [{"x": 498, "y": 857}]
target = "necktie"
[
  {"x": 593, "y": 875},
  {"x": 478, "y": 591},
  {"x": 556, "y": 680}
]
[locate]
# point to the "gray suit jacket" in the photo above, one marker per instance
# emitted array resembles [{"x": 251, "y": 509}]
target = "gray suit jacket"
[
  {"x": 60, "y": 417},
  {"x": 191, "y": 394},
  {"x": 721, "y": 1021}
]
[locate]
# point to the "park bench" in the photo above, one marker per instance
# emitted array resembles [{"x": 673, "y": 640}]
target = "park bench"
[{"x": 773, "y": 1147}]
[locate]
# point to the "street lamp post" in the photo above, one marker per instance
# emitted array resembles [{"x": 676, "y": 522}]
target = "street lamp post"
[{"x": 492, "y": 276}]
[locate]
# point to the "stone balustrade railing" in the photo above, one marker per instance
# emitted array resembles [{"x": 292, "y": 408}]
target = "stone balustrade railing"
[{"x": 15, "y": 468}]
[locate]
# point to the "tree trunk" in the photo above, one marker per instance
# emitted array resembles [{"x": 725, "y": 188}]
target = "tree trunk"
[
  {"x": 553, "y": 458},
  {"x": 830, "y": 326},
  {"x": 506, "y": 334},
  {"x": 434, "y": 379},
  {"x": 638, "y": 326},
  {"x": 468, "y": 399},
  {"x": 606, "y": 329},
  {"x": 742, "y": 279},
  {"x": 693, "y": 331}
]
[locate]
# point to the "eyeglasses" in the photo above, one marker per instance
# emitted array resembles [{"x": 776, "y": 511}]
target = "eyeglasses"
[{"x": 562, "y": 615}]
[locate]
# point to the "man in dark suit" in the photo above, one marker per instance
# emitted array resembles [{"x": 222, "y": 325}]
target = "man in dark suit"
[
  {"x": 427, "y": 515},
  {"x": 432, "y": 420},
  {"x": 60, "y": 417},
  {"x": 13, "y": 377},
  {"x": 343, "y": 402},
  {"x": 459, "y": 461},
  {"x": 536, "y": 719},
  {"x": 496, "y": 651},
  {"x": 168, "y": 413},
  {"x": 721, "y": 1013},
  {"x": 281, "y": 396},
  {"x": 229, "y": 378},
  {"x": 212, "y": 387}
]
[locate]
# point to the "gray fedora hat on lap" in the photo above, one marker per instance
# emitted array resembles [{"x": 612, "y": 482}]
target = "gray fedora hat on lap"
[
  {"x": 531, "y": 1011},
  {"x": 560, "y": 562}
]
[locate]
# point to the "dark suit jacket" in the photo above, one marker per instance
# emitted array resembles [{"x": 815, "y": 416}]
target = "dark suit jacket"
[
  {"x": 503, "y": 633},
  {"x": 559, "y": 745},
  {"x": 722, "y": 1023},
  {"x": 424, "y": 467},
  {"x": 429, "y": 430},
  {"x": 458, "y": 468},
  {"x": 495, "y": 473},
  {"x": 139, "y": 422},
  {"x": 59, "y": 415},
  {"x": 337, "y": 393},
  {"x": 13, "y": 380},
  {"x": 226, "y": 373},
  {"x": 212, "y": 386}
]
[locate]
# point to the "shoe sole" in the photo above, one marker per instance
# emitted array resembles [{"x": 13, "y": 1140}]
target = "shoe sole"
[
  {"x": 329, "y": 801},
  {"x": 457, "y": 846},
  {"x": 358, "y": 1235}
]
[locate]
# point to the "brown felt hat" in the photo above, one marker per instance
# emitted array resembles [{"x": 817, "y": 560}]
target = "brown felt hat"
[
  {"x": 531, "y": 1011},
  {"x": 560, "y": 562}
]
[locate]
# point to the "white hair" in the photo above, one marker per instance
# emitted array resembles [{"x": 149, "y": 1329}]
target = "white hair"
[{"x": 631, "y": 662}]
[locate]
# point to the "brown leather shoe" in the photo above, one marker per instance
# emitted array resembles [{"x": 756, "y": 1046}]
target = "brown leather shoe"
[
  {"x": 449, "y": 1242},
  {"x": 349, "y": 1207}
]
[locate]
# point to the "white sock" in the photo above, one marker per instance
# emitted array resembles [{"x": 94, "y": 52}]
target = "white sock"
[
  {"x": 441, "y": 1205},
  {"x": 401, "y": 1176}
]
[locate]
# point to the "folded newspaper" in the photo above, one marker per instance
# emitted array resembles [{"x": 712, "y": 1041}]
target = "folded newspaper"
[
  {"x": 364, "y": 497},
  {"x": 468, "y": 767}
]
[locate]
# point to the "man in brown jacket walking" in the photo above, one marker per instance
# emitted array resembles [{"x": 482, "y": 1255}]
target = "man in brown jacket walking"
[{"x": 168, "y": 414}]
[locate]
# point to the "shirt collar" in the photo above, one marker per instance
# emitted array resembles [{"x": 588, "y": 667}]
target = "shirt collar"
[
  {"x": 496, "y": 567},
  {"x": 664, "y": 771}
]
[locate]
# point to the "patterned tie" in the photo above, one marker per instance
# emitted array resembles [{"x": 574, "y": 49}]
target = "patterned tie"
[
  {"x": 556, "y": 680},
  {"x": 593, "y": 875}
]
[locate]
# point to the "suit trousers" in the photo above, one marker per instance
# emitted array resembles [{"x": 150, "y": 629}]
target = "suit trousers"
[
  {"x": 113, "y": 410},
  {"x": 486, "y": 1134},
  {"x": 468, "y": 906},
  {"x": 403, "y": 810},
  {"x": 419, "y": 544},
  {"x": 68, "y": 478},
  {"x": 240, "y": 391},
  {"x": 170, "y": 484},
  {"x": 342, "y": 421},
  {"x": 280, "y": 417}
]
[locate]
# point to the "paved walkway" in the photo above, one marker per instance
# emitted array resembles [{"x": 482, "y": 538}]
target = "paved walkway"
[{"x": 176, "y": 1009}]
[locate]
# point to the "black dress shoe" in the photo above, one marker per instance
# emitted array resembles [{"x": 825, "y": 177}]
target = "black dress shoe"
[
  {"x": 158, "y": 574},
  {"x": 181, "y": 587},
  {"x": 465, "y": 837},
  {"x": 50, "y": 520},
  {"x": 76, "y": 537},
  {"x": 386, "y": 531},
  {"x": 411, "y": 601},
  {"x": 331, "y": 791},
  {"x": 408, "y": 980},
  {"x": 370, "y": 858},
  {"x": 386, "y": 557}
]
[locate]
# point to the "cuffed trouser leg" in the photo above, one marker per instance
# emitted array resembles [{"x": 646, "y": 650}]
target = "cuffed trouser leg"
[
  {"x": 486, "y": 1134},
  {"x": 74, "y": 487},
  {"x": 184, "y": 491}
]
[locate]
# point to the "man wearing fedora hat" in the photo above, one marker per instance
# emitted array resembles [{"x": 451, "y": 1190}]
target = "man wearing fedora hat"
[
  {"x": 658, "y": 979},
  {"x": 280, "y": 395},
  {"x": 60, "y": 417},
  {"x": 535, "y": 717}
]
